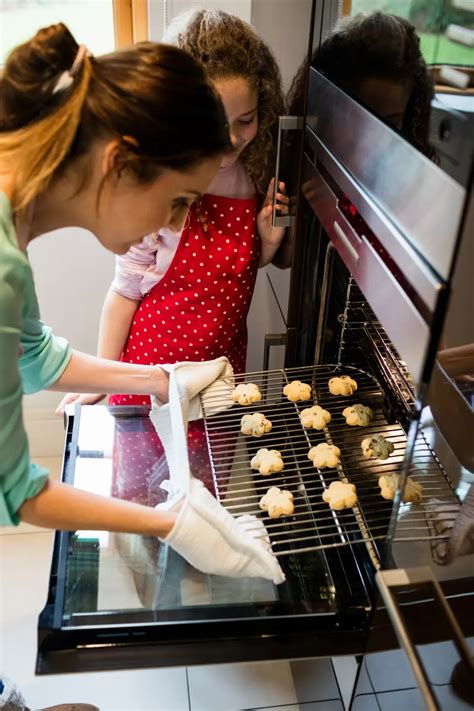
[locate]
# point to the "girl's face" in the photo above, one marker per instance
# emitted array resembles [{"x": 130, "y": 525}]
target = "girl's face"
[
  {"x": 128, "y": 210},
  {"x": 240, "y": 101}
]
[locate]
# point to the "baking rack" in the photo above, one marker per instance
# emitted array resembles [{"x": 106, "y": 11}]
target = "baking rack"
[{"x": 314, "y": 525}]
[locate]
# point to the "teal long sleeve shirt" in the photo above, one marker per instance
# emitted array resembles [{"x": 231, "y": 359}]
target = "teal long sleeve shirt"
[{"x": 31, "y": 359}]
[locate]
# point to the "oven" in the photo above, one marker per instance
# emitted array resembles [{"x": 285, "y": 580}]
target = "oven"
[{"x": 378, "y": 229}]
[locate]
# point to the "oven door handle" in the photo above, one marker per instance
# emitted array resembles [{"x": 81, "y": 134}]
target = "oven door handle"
[
  {"x": 285, "y": 123},
  {"x": 388, "y": 581}
]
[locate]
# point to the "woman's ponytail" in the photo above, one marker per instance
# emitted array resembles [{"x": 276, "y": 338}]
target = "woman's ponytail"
[{"x": 39, "y": 111}]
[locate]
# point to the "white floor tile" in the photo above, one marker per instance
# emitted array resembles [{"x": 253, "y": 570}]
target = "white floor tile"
[
  {"x": 390, "y": 671},
  {"x": 25, "y": 562},
  {"x": 316, "y": 706},
  {"x": 231, "y": 687},
  {"x": 54, "y": 465},
  {"x": 345, "y": 669},
  {"x": 314, "y": 680},
  {"x": 406, "y": 699}
]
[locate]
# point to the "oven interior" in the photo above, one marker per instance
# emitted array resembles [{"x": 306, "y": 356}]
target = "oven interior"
[{"x": 345, "y": 339}]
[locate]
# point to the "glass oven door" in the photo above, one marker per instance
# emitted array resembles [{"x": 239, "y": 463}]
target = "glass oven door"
[{"x": 127, "y": 601}]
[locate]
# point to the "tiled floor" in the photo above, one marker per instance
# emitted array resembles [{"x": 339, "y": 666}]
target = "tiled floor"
[{"x": 25, "y": 558}]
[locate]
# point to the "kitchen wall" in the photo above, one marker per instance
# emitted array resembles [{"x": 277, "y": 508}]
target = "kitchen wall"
[{"x": 72, "y": 274}]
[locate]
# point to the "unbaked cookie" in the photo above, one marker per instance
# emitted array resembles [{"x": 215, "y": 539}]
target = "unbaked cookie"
[
  {"x": 325, "y": 455},
  {"x": 296, "y": 391},
  {"x": 277, "y": 502},
  {"x": 342, "y": 385},
  {"x": 267, "y": 461},
  {"x": 246, "y": 394},
  {"x": 255, "y": 425},
  {"x": 358, "y": 415},
  {"x": 413, "y": 493},
  {"x": 315, "y": 417},
  {"x": 377, "y": 447},
  {"x": 340, "y": 496}
]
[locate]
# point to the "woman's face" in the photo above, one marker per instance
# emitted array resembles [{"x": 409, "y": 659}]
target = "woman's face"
[
  {"x": 240, "y": 101},
  {"x": 129, "y": 210}
]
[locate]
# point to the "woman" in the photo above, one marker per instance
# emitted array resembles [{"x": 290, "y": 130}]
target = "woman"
[{"x": 120, "y": 145}]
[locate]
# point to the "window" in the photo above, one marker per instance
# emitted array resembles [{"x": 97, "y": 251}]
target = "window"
[
  {"x": 445, "y": 27},
  {"x": 90, "y": 21}
]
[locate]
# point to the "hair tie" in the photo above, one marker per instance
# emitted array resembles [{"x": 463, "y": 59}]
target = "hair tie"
[{"x": 67, "y": 77}]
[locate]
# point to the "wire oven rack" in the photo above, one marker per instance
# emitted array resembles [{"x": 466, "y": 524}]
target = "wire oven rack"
[{"x": 314, "y": 525}]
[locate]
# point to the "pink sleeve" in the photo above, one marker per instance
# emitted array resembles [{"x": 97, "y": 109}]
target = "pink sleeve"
[{"x": 131, "y": 268}]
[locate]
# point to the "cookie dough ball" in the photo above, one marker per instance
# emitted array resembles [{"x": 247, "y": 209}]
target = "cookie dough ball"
[
  {"x": 296, "y": 391},
  {"x": 325, "y": 455},
  {"x": 413, "y": 493},
  {"x": 315, "y": 417},
  {"x": 277, "y": 502},
  {"x": 246, "y": 394},
  {"x": 342, "y": 385},
  {"x": 358, "y": 415},
  {"x": 340, "y": 496},
  {"x": 267, "y": 461},
  {"x": 377, "y": 447},
  {"x": 255, "y": 425}
]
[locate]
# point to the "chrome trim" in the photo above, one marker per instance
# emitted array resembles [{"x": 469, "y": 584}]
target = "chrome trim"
[
  {"x": 415, "y": 194},
  {"x": 414, "y": 268},
  {"x": 405, "y": 326}
]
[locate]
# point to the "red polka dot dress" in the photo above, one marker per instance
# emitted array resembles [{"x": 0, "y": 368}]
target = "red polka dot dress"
[{"x": 197, "y": 311}]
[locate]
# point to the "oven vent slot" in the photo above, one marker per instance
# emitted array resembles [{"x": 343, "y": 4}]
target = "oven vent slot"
[{"x": 313, "y": 525}]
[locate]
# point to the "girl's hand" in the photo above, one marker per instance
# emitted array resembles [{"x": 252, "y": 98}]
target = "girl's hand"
[
  {"x": 78, "y": 399},
  {"x": 271, "y": 237}
]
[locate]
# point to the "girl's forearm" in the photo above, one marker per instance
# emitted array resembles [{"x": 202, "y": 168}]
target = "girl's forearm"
[
  {"x": 115, "y": 322},
  {"x": 89, "y": 374},
  {"x": 63, "y": 507}
]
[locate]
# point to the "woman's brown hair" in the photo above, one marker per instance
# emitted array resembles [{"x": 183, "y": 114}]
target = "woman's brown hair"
[
  {"x": 229, "y": 47},
  {"x": 156, "y": 99}
]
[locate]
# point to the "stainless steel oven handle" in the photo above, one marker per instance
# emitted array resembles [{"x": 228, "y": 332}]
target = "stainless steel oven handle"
[
  {"x": 285, "y": 123},
  {"x": 388, "y": 581}
]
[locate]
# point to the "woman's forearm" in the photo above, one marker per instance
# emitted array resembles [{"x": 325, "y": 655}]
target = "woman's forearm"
[
  {"x": 65, "y": 508},
  {"x": 89, "y": 374},
  {"x": 115, "y": 322}
]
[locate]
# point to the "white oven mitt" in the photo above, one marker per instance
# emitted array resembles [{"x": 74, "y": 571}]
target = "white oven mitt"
[
  {"x": 211, "y": 381},
  {"x": 189, "y": 382},
  {"x": 213, "y": 541},
  {"x": 205, "y": 533}
]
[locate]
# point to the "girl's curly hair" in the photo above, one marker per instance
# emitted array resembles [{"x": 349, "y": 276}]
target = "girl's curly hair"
[
  {"x": 229, "y": 47},
  {"x": 376, "y": 45}
]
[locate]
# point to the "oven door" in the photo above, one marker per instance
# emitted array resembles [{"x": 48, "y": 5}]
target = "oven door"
[{"x": 125, "y": 601}]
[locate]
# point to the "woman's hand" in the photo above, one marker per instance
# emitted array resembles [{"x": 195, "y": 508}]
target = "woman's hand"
[
  {"x": 271, "y": 237},
  {"x": 78, "y": 399}
]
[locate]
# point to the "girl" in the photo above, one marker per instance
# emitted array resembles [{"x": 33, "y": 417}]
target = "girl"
[
  {"x": 186, "y": 297},
  {"x": 115, "y": 144}
]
